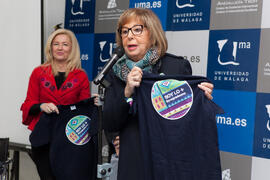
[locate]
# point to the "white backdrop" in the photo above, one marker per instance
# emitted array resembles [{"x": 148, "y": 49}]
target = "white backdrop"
[{"x": 19, "y": 54}]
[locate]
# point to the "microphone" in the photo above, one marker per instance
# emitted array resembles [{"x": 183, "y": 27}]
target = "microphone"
[{"x": 117, "y": 53}]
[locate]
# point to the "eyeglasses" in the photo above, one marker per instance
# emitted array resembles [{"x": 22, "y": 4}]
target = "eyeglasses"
[{"x": 136, "y": 30}]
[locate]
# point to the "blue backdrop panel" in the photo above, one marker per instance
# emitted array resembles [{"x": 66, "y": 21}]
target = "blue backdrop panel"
[
  {"x": 104, "y": 45},
  {"x": 86, "y": 41},
  {"x": 159, "y": 7},
  {"x": 80, "y": 16},
  {"x": 262, "y": 126},
  {"x": 188, "y": 15},
  {"x": 235, "y": 127},
  {"x": 233, "y": 59}
]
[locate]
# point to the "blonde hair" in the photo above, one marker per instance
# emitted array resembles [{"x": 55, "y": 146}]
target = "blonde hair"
[
  {"x": 73, "y": 61},
  {"x": 150, "y": 21}
]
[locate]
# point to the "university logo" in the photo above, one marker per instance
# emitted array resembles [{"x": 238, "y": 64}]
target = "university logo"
[
  {"x": 226, "y": 174},
  {"x": 268, "y": 112},
  {"x": 111, "y": 4},
  {"x": 111, "y": 47},
  {"x": 235, "y": 46},
  {"x": 262, "y": 127},
  {"x": 104, "y": 45},
  {"x": 79, "y": 10},
  {"x": 188, "y": 15},
  {"x": 179, "y": 5},
  {"x": 221, "y": 44},
  {"x": 267, "y": 69},
  {"x": 233, "y": 59},
  {"x": 79, "y": 16}
]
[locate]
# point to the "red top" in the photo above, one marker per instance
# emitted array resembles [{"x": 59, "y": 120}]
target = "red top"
[{"x": 42, "y": 89}]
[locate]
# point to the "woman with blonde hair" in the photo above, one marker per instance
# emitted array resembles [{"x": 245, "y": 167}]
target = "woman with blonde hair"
[{"x": 60, "y": 80}]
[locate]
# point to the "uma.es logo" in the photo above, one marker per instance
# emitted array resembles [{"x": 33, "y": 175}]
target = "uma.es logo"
[
  {"x": 148, "y": 5},
  {"x": 229, "y": 121},
  {"x": 180, "y": 5},
  {"x": 84, "y": 57},
  {"x": 193, "y": 59},
  {"x": 234, "y": 46}
]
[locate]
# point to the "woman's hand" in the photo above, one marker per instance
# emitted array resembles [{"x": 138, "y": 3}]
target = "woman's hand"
[
  {"x": 207, "y": 88},
  {"x": 49, "y": 108},
  {"x": 96, "y": 99},
  {"x": 116, "y": 144},
  {"x": 133, "y": 80}
]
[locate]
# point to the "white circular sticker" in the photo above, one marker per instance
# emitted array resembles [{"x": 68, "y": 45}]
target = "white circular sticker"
[
  {"x": 77, "y": 130},
  {"x": 172, "y": 99}
]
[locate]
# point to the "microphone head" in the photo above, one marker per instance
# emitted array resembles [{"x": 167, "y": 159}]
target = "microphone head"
[{"x": 119, "y": 51}]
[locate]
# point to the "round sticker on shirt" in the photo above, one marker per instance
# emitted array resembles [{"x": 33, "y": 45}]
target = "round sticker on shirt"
[
  {"x": 172, "y": 99},
  {"x": 77, "y": 130}
]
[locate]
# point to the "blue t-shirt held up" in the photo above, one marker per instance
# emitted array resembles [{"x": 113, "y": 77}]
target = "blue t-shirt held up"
[{"x": 177, "y": 128}]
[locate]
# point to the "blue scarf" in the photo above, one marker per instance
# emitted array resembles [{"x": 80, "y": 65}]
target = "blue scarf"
[{"x": 124, "y": 64}]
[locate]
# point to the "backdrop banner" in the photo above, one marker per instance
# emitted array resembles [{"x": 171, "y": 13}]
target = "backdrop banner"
[{"x": 226, "y": 41}]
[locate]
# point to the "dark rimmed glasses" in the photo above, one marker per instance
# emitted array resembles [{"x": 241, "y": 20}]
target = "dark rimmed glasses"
[{"x": 136, "y": 30}]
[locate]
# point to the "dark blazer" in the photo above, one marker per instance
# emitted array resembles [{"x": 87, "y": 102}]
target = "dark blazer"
[{"x": 117, "y": 117}]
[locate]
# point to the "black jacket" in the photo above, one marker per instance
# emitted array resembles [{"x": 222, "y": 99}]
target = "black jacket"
[{"x": 118, "y": 119}]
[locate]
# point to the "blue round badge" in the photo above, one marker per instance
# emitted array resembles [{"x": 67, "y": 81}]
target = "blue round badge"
[
  {"x": 77, "y": 130},
  {"x": 172, "y": 99}
]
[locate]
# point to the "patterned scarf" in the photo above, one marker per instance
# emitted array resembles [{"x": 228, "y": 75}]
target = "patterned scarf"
[{"x": 124, "y": 64}]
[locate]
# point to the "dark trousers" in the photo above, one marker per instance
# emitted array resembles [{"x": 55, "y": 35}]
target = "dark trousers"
[{"x": 40, "y": 156}]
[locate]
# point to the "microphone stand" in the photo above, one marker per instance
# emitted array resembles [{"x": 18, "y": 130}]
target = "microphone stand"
[{"x": 104, "y": 170}]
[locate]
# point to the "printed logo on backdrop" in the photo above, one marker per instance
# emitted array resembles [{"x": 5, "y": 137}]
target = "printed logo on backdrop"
[
  {"x": 226, "y": 174},
  {"x": 235, "y": 166},
  {"x": 77, "y": 130},
  {"x": 236, "y": 125},
  {"x": 79, "y": 16},
  {"x": 159, "y": 7},
  {"x": 86, "y": 47},
  {"x": 107, "y": 14},
  {"x": 266, "y": 69},
  {"x": 198, "y": 64},
  {"x": 188, "y": 15},
  {"x": 262, "y": 126},
  {"x": 196, "y": 53},
  {"x": 104, "y": 45},
  {"x": 236, "y": 14},
  {"x": 233, "y": 59},
  {"x": 264, "y": 62},
  {"x": 172, "y": 99},
  {"x": 77, "y": 8}
]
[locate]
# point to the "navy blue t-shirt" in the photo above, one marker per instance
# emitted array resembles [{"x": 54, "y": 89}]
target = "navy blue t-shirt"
[
  {"x": 72, "y": 135},
  {"x": 177, "y": 129}
]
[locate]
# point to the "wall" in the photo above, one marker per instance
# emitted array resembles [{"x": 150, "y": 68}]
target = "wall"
[
  {"x": 54, "y": 13},
  {"x": 20, "y": 53}
]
